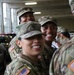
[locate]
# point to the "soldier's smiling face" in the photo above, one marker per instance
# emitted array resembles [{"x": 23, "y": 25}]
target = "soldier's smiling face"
[
  {"x": 32, "y": 46},
  {"x": 50, "y": 31}
]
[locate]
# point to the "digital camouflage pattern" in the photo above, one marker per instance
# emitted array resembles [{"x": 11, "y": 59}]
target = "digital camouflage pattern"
[
  {"x": 13, "y": 48},
  {"x": 23, "y": 65},
  {"x": 45, "y": 19},
  {"x": 24, "y": 10},
  {"x": 48, "y": 50},
  {"x": 62, "y": 62},
  {"x": 47, "y": 54}
]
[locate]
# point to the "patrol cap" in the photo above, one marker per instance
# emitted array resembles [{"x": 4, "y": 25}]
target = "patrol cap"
[
  {"x": 65, "y": 32},
  {"x": 29, "y": 29},
  {"x": 18, "y": 27},
  {"x": 24, "y": 10},
  {"x": 60, "y": 29},
  {"x": 45, "y": 19}
]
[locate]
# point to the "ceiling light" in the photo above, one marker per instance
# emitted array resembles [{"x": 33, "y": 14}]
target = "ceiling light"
[
  {"x": 37, "y": 12},
  {"x": 30, "y": 3}
]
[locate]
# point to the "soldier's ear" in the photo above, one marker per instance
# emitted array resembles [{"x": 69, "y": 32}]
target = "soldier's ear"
[{"x": 18, "y": 43}]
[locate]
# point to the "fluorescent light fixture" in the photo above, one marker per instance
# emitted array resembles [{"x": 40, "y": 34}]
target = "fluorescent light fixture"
[
  {"x": 30, "y": 3},
  {"x": 37, "y": 12}
]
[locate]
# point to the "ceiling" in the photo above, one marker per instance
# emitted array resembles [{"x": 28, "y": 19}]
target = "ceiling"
[{"x": 55, "y": 8}]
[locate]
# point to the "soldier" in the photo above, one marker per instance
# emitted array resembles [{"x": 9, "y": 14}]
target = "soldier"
[
  {"x": 63, "y": 35},
  {"x": 49, "y": 29},
  {"x": 24, "y": 14},
  {"x": 32, "y": 44},
  {"x": 62, "y": 62}
]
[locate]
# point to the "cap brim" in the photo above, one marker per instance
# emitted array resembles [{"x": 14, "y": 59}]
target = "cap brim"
[
  {"x": 47, "y": 21},
  {"x": 30, "y": 34},
  {"x": 25, "y": 13}
]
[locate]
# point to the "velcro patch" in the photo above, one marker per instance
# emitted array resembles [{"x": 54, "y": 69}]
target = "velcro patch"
[
  {"x": 71, "y": 65},
  {"x": 23, "y": 71}
]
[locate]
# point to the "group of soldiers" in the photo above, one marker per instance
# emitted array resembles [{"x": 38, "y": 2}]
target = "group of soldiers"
[{"x": 31, "y": 49}]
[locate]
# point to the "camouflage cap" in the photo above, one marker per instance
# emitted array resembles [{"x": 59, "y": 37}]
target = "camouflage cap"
[
  {"x": 24, "y": 10},
  {"x": 18, "y": 27},
  {"x": 45, "y": 19},
  {"x": 29, "y": 29},
  {"x": 60, "y": 29}
]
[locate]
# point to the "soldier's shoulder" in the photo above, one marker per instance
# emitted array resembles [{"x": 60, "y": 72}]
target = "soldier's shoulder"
[
  {"x": 69, "y": 45},
  {"x": 72, "y": 39},
  {"x": 64, "y": 48},
  {"x": 13, "y": 40},
  {"x": 23, "y": 70},
  {"x": 10, "y": 67},
  {"x": 16, "y": 67},
  {"x": 13, "y": 63}
]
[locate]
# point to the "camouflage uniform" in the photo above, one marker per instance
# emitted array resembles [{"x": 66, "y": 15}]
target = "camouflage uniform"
[
  {"x": 62, "y": 62},
  {"x": 47, "y": 54},
  {"x": 48, "y": 50},
  {"x": 24, "y": 64},
  {"x": 64, "y": 35},
  {"x": 14, "y": 49}
]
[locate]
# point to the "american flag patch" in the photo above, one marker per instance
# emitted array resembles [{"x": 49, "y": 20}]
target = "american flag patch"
[
  {"x": 71, "y": 65},
  {"x": 23, "y": 71}
]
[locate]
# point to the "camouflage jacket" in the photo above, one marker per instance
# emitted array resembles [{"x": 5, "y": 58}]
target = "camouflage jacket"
[
  {"x": 47, "y": 54},
  {"x": 13, "y": 48},
  {"x": 23, "y": 65},
  {"x": 62, "y": 62}
]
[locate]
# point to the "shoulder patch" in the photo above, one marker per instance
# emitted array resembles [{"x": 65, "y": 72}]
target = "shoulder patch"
[
  {"x": 71, "y": 65},
  {"x": 23, "y": 71}
]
